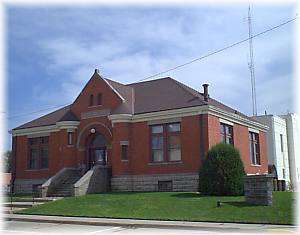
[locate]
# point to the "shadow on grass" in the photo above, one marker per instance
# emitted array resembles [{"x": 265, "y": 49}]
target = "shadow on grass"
[
  {"x": 239, "y": 204},
  {"x": 187, "y": 195}
]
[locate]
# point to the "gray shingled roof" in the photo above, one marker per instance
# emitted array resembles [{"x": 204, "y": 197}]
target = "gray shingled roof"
[
  {"x": 50, "y": 119},
  {"x": 142, "y": 97}
]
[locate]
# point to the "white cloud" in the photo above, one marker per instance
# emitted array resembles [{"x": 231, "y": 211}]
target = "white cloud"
[{"x": 145, "y": 44}]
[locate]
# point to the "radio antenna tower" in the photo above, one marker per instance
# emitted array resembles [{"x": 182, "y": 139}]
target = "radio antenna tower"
[{"x": 251, "y": 64}]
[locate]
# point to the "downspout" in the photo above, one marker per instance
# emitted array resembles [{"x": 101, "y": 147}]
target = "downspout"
[
  {"x": 14, "y": 163},
  {"x": 130, "y": 137},
  {"x": 202, "y": 151}
]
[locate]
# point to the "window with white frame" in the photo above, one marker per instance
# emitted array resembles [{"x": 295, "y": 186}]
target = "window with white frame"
[
  {"x": 157, "y": 143},
  {"x": 166, "y": 142},
  {"x": 254, "y": 148},
  {"x": 226, "y": 133}
]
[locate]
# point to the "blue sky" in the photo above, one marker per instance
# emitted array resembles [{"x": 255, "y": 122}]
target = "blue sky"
[{"x": 53, "y": 51}]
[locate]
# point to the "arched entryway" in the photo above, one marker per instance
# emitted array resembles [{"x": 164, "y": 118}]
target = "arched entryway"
[{"x": 96, "y": 150}]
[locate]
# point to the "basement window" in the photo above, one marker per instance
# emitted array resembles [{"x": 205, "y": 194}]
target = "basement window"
[{"x": 165, "y": 186}]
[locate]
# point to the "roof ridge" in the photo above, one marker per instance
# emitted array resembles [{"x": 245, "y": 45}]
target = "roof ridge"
[
  {"x": 129, "y": 84},
  {"x": 187, "y": 88},
  {"x": 110, "y": 80}
]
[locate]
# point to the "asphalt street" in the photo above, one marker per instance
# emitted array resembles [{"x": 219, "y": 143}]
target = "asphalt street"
[{"x": 34, "y": 228}]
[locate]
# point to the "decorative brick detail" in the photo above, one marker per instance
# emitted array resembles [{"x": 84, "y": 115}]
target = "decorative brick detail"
[
  {"x": 259, "y": 189},
  {"x": 95, "y": 113},
  {"x": 181, "y": 182}
]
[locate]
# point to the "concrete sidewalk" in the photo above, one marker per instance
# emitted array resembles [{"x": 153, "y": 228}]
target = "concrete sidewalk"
[{"x": 147, "y": 223}]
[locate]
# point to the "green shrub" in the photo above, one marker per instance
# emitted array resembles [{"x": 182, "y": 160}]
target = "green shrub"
[{"x": 222, "y": 172}]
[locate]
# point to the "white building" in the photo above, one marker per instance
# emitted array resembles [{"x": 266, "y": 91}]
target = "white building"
[
  {"x": 293, "y": 135},
  {"x": 278, "y": 154}
]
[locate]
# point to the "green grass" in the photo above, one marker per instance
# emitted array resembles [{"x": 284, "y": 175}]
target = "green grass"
[{"x": 171, "y": 206}]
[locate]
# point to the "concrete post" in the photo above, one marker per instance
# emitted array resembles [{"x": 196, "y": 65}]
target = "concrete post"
[{"x": 258, "y": 189}]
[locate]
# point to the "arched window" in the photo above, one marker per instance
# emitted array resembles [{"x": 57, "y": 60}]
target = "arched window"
[
  {"x": 91, "y": 100},
  {"x": 99, "y": 99}
]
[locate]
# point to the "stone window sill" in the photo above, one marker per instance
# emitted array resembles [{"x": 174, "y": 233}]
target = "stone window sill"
[
  {"x": 70, "y": 145},
  {"x": 124, "y": 160},
  {"x": 164, "y": 163},
  {"x": 43, "y": 169},
  {"x": 255, "y": 165},
  {"x": 94, "y": 106}
]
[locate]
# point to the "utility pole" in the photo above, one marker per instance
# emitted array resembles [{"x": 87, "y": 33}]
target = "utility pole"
[{"x": 251, "y": 64}]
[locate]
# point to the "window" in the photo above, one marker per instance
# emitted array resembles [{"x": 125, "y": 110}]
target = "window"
[
  {"x": 254, "y": 148},
  {"x": 281, "y": 142},
  {"x": 70, "y": 138},
  {"x": 165, "y": 142},
  {"x": 38, "y": 153},
  {"x": 283, "y": 173},
  {"x": 165, "y": 186},
  {"x": 157, "y": 143},
  {"x": 226, "y": 133},
  {"x": 174, "y": 143},
  {"x": 99, "y": 99},
  {"x": 44, "y": 157},
  {"x": 91, "y": 102},
  {"x": 124, "y": 152}
]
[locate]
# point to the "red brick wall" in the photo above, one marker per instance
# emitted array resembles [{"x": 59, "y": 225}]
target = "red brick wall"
[
  {"x": 140, "y": 152},
  {"x": 198, "y": 134},
  {"x": 241, "y": 142},
  {"x": 138, "y": 134}
]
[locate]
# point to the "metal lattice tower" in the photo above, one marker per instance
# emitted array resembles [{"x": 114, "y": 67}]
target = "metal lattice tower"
[{"x": 251, "y": 64}]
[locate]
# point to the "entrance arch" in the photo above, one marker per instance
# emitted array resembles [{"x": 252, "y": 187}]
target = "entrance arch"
[{"x": 101, "y": 134}]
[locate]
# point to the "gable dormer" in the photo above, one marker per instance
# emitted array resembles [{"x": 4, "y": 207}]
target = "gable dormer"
[{"x": 98, "y": 94}]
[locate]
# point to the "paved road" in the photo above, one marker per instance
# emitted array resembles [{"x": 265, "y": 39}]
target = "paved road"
[{"x": 34, "y": 228}]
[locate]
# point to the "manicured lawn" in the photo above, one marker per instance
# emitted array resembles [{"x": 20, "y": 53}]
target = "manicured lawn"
[{"x": 171, "y": 206}]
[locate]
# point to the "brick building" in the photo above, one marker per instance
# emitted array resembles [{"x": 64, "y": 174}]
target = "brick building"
[{"x": 145, "y": 136}]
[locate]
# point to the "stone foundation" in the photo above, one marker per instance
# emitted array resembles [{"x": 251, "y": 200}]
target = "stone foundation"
[
  {"x": 259, "y": 189},
  {"x": 26, "y": 185},
  {"x": 175, "y": 182}
]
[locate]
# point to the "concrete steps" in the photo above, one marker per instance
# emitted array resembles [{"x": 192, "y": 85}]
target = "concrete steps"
[
  {"x": 9, "y": 210},
  {"x": 24, "y": 203},
  {"x": 20, "y": 204},
  {"x": 65, "y": 188}
]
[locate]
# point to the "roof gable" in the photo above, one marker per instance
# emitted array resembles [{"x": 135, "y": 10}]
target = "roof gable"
[
  {"x": 95, "y": 76},
  {"x": 111, "y": 98}
]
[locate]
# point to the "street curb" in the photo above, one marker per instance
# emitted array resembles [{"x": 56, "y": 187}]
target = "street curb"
[{"x": 142, "y": 223}]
